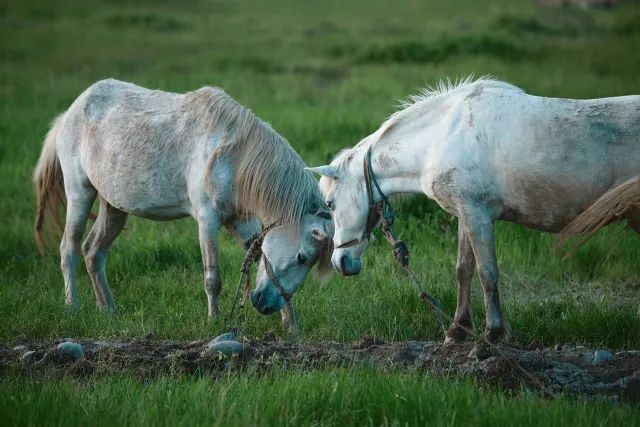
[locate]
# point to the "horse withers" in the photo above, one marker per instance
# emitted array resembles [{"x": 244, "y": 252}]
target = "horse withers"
[
  {"x": 485, "y": 150},
  {"x": 163, "y": 156}
]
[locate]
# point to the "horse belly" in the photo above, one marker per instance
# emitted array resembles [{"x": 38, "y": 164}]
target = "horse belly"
[
  {"x": 146, "y": 199},
  {"x": 141, "y": 179}
]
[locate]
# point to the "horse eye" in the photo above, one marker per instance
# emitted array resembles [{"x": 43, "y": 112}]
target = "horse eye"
[
  {"x": 330, "y": 205},
  {"x": 301, "y": 259}
]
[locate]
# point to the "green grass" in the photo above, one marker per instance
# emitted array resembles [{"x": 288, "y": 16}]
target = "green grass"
[
  {"x": 325, "y": 74},
  {"x": 358, "y": 396}
]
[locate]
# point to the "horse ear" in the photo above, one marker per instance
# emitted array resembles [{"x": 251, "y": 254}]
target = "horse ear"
[{"x": 326, "y": 170}]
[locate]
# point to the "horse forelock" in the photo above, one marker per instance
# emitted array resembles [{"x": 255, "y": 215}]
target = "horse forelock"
[{"x": 270, "y": 177}]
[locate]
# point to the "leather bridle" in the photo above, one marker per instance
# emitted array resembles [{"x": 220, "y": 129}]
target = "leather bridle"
[
  {"x": 254, "y": 252},
  {"x": 379, "y": 212},
  {"x": 267, "y": 267}
]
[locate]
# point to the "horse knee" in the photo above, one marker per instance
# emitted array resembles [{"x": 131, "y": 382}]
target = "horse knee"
[
  {"x": 68, "y": 260},
  {"x": 94, "y": 259}
]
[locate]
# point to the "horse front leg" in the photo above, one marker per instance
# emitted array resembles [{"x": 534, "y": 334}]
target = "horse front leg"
[
  {"x": 462, "y": 324},
  {"x": 290, "y": 319},
  {"x": 208, "y": 226},
  {"x": 479, "y": 229}
]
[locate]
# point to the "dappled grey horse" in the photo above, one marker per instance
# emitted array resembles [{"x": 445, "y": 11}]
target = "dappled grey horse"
[
  {"x": 485, "y": 150},
  {"x": 164, "y": 156}
]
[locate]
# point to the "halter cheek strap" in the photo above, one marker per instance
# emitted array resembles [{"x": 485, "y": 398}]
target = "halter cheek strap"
[
  {"x": 254, "y": 252},
  {"x": 377, "y": 210},
  {"x": 267, "y": 267}
]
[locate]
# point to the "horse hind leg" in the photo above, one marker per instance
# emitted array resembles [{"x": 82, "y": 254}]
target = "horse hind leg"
[
  {"x": 79, "y": 201},
  {"x": 107, "y": 227},
  {"x": 480, "y": 230},
  {"x": 462, "y": 324}
]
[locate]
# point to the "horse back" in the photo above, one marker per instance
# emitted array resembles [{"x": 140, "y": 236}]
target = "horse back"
[
  {"x": 540, "y": 161},
  {"x": 137, "y": 146}
]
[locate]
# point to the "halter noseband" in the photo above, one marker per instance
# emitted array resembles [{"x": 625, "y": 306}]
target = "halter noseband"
[{"x": 377, "y": 210}]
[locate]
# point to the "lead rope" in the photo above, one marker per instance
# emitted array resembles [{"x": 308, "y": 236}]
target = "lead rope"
[
  {"x": 254, "y": 251},
  {"x": 401, "y": 255}
]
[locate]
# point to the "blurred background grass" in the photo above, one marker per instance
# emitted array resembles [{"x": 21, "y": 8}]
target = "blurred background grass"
[{"x": 325, "y": 74}]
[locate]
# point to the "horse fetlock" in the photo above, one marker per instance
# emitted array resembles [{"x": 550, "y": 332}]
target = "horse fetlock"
[
  {"x": 108, "y": 304},
  {"x": 71, "y": 302},
  {"x": 213, "y": 306}
]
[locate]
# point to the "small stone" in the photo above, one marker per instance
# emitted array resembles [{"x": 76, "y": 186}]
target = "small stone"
[
  {"x": 601, "y": 356},
  {"x": 72, "y": 349},
  {"x": 20, "y": 348},
  {"x": 28, "y": 357},
  {"x": 557, "y": 347},
  {"x": 226, "y": 347},
  {"x": 229, "y": 336}
]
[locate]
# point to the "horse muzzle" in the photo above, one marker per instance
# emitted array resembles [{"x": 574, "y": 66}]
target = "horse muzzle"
[
  {"x": 267, "y": 302},
  {"x": 346, "y": 264}
]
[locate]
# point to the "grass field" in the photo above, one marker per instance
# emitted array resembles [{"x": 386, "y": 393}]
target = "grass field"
[{"x": 325, "y": 74}]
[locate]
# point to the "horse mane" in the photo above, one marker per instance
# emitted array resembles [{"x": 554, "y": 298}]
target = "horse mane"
[
  {"x": 424, "y": 95},
  {"x": 270, "y": 177}
]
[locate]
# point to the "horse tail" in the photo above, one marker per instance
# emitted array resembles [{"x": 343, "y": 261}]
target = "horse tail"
[
  {"x": 621, "y": 201},
  {"x": 49, "y": 185}
]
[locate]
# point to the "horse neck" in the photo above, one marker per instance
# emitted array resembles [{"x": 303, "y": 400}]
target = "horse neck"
[
  {"x": 244, "y": 228},
  {"x": 398, "y": 168}
]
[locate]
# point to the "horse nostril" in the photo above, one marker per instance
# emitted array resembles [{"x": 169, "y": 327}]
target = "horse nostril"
[
  {"x": 343, "y": 262},
  {"x": 349, "y": 266}
]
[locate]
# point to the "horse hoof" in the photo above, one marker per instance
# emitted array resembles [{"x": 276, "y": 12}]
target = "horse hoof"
[
  {"x": 72, "y": 305},
  {"x": 496, "y": 336},
  {"x": 458, "y": 333}
]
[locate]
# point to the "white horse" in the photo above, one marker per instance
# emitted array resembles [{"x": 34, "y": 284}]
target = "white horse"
[
  {"x": 164, "y": 156},
  {"x": 485, "y": 150}
]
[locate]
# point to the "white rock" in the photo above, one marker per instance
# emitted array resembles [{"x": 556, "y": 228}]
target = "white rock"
[
  {"x": 72, "y": 349},
  {"x": 229, "y": 336},
  {"x": 226, "y": 347},
  {"x": 19, "y": 348},
  {"x": 600, "y": 356}
]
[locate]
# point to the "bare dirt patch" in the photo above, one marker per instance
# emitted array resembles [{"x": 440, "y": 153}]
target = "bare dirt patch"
[{"x": 559, "y": 369}]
